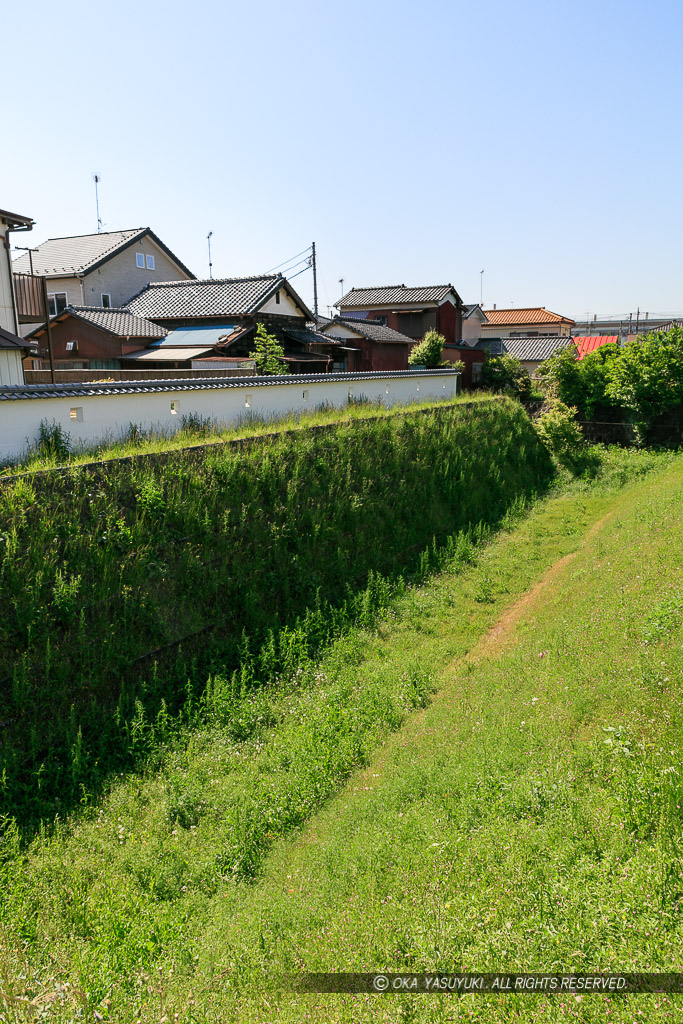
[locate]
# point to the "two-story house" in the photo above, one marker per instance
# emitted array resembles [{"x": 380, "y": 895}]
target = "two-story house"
[
  {"x": 103, "y": 270},
  {"x": 12, "y": 346},
  {"x": 409, "y": 311}
]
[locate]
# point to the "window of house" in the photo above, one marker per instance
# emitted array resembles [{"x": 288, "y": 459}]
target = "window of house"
[
  {"x": 381, "y": 320},
  {"x": 72, "y": 346},
  {"x": 277, "y": 298},
  {"x": 57, "y": 303},
  {"x": 106, "y": 300},
  {"x": 140, "y": 259},
  {"x": 476, "y": 372},
  {"x": 150, "y": 263}
]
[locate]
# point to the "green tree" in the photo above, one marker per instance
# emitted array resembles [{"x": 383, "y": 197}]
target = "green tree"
[
  {"x": 268, "y": 353},
  {"x": 505, "y": 373},
  {"x": 429, "y": 352},
  {"x": 580, "y": 382},
  {"x": 647, "y": 378}
]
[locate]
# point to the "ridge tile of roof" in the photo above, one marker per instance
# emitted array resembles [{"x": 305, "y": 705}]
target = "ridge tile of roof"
[
  {"x": 394, "y": 294},
  {"x": 236, "y": 296},
  {"x": 526, "y": 315}
]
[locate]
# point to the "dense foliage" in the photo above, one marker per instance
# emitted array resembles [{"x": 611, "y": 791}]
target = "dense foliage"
[
  {"x": 639, "y": 382},
  {"x": 268, "y": 354},
  {"x": 505, "y": 374},
  {"x": 429, "y": 352},
  {"x": 192, "y": 562}
]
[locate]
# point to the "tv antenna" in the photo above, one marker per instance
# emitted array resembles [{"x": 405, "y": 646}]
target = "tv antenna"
[
  {"x": 96, "y": 178},
  {"x": 208, "y": 239}
]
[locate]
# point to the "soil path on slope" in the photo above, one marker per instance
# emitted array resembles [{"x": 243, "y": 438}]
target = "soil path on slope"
[{"x": 500, "y": 634}]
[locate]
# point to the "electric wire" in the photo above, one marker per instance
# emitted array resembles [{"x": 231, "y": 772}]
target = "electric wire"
[{"x": 289, "y": 260}]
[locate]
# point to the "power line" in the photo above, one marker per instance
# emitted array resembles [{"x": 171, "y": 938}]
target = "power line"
[{"x": 307, "y": 249}]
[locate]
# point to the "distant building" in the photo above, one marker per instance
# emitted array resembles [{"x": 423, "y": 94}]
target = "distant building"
[
  {"x": 531, "y": 351},
  {"x": 103, "y": 270},
  {"x": 408, "y": 311},
  {"x": 529, "y": 322},
  {"x": 473, "y": 319},
  {"x": 585, "y": 345}
]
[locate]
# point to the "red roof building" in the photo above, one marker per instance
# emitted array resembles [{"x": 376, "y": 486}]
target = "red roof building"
[{"x": 590, "y": 344}]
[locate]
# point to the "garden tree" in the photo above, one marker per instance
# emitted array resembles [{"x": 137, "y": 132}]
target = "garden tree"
[
  {"x": 647, "y": 378},
  {"x": 505, "y": 373},
  {"x": 429, "y": 352},
  {"x": 580, "y": 382},
  {"x": 268, "y": 353}
]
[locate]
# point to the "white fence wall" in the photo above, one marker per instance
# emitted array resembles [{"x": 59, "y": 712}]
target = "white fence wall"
[{"x": 96, "y": 413}]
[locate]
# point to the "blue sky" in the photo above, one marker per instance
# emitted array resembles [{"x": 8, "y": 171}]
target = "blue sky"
[{"x": 414, "y": 143}]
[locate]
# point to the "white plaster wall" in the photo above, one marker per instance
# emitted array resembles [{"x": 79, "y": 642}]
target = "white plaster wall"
[
  {"x": 104, "y": 417},
  {"x": 7, "y": 320},
  {"x": 285, "y": 307},
  {"x": 11, "y": 369}
]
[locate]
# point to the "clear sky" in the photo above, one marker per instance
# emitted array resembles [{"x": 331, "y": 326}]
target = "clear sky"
[{"x": 416, "y": 143}]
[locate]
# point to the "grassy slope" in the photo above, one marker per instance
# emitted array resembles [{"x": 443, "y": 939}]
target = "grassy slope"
[{"x": 488, "y": 833}]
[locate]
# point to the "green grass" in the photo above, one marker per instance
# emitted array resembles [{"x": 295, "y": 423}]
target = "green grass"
[
  {"x": 126, "y": 585},
  {"x": 397, "y": 805}
]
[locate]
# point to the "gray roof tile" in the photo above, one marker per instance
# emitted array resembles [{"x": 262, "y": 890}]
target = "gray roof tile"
[
  {"x": 238, "y": 296},
  {"x": 120, "y": 322},
  {"x": 526, "y": 349},
  {"x": 369, "y": 329},
  {"x": 78, "y": 254},
  {"x": 394, "y": 294}
]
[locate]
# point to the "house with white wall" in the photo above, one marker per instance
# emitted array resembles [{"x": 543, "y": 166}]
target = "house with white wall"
[
  {"x": 12, "y": 347},
  {"x": 103, "y": 270}
]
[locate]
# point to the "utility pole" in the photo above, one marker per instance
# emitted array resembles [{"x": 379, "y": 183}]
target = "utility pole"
[
  {"x": 315, "y": 282},
  {"x": 481, "y": 288},
  {"x": 47, "y": 328},
  {"x": 208, "y": 239},
  {"x": 26, "y": 248}
]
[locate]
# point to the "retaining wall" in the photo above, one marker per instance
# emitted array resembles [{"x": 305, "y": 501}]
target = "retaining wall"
[{"x": 93, "y": 413}]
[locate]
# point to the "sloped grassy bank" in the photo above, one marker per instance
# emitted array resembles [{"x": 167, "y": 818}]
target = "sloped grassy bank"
[
  {"x": 123, "y": 589},
  {"x": 161, "y": 900}
]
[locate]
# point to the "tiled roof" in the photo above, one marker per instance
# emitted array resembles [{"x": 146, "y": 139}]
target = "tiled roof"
[
  {"x": 74, "y": 254},
  {"x": 369, "y": 329},
  {"x": 310, "y": 335},
  {"x": 468, "y": 310},
  {"x": 37, "y": 391},
  {"x": 534, "y": 349},
  {"x": 237, "y": 296},
  {"x": 590, "y": 343},
  {"x": 120, "y": 322},
  {"x": 394, "y": 294},
  {"x": 13, "y": 341},
  {"x": 78, "y": 254},
  {"x": 530, "y": 315}
]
